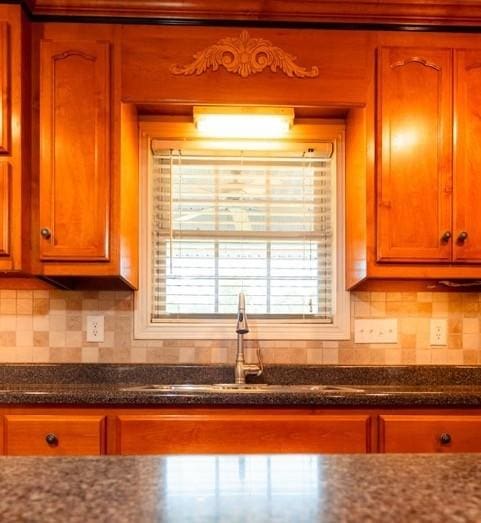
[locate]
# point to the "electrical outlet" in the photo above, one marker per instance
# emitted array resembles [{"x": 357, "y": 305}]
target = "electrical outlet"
[
  {"x": 95, "y": 328},
  {"x": 438, "y": 332},
  {"x": 375, "y": 331}
]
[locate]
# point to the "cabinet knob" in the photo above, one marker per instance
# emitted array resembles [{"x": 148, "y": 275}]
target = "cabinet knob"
[
  {"x": 51, "y": 439},
  {"x": 462, "y": 236},
  {"x": 445, "y": 438},
  {"x": 45, "y": 233},
  {"x": 446, "y": 236}
]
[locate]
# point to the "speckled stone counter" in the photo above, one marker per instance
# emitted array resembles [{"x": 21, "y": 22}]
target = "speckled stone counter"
[
  {"x": 253, "y": 489},
  {"x": 111, "y": 385}
]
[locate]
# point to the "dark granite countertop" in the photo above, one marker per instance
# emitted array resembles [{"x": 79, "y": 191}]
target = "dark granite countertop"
[
  {"x": 261, "y": 488},
  {"x": 401, "y": 386}
]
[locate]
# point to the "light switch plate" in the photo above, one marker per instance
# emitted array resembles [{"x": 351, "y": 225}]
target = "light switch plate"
[{"x": 375, "y": 331}]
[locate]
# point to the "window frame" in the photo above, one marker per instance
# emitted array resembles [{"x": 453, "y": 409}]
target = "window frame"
[{"x": 179, "y": 130}]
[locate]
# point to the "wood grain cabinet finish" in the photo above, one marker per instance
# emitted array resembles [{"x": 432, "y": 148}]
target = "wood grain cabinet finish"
[
  {"x": 467, "y": 156},
  {"x": 5, "y": 209},
  {"x": 54, "y": 435},
  {"x": 414, "y": 160},
  {"x": 429, "y": 433},
  {"x": 75, "y": 152},
  {"x": 5, "y": 102},
  {"x": 242, "y": 432}
]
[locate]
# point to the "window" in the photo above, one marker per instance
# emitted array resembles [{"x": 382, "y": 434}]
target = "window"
[{"x": 262, "y": 218}]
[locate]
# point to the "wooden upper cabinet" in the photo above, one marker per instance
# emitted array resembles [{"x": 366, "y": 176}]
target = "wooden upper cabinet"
[
  {"x": 467, "y": 156},
  {"x": 75, "y": 151},
  {"x": 5, "y": 209},
  {"x": 414, "y": 155}
]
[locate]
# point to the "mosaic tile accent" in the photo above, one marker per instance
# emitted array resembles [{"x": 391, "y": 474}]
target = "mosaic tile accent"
[{"x": 49, "y": 326}]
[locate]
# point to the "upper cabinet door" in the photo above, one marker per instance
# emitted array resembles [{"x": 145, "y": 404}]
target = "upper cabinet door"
[
  {"x": 74, "y": 145},
  {"x": 467, "y": 156},
  {"x": 414, "y": 189},
  {"x": 4, "y": 89}
]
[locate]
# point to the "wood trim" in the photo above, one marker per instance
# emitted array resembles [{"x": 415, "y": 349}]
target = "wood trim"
[
  {"x": 434, "y": 12},
  {"x": 5, "y": 97}
]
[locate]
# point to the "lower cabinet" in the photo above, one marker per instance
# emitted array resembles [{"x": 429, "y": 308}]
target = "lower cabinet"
[
  {"x": 54, "y": 435},
  {"x": 63, "y": 431},
  {"x": 430, "y": 433},
  {"x": 237, "y": 432}
]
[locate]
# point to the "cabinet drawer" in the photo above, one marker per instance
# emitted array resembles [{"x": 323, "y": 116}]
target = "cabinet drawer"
[
  {"x": 242, "y": 433},
  {"x": 426, "y": 433},
  {"x": 54, "y": 435}
]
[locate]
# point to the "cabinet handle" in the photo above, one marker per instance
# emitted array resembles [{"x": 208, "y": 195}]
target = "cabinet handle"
[
  {"x": 462, "y": 237},
  {"x": 446, "y": 236},
  {"x": 51, "y": 440},
  {"x": 445, "y": 438},
  {"x": 45, "y": 233}
]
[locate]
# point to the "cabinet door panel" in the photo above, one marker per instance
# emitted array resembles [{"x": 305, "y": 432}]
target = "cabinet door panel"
[
  {"x": 430, "y": 433},
  {"x": 242, "y": 433},
  {"x": 26, "y": 435},
  {"x": 414, "y": 136},
  {"x": 5, "y": 108},
  {"x": 74, "y": 141},
  {"x": 5, "y": 203},
  {"x": 467, "y": 159}
]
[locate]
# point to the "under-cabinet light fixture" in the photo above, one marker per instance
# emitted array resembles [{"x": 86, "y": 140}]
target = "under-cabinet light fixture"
[{"x": 243, "y": 122}]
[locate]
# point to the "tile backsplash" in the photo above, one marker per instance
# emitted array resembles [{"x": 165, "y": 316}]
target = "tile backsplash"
[{"x": 49, "y": 326}]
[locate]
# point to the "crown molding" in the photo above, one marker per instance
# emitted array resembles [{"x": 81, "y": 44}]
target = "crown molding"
[{"x": 389, "y": 12}]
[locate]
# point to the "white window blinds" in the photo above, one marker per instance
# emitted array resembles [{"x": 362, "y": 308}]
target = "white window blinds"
[{"x": 261, "y": 223}]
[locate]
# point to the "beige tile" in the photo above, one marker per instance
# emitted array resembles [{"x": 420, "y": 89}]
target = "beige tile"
[
  {"x": 8, "y": 306},
  {"x": 65, "y": 354},
  {"x": 470, "y": 325},
  {"x": 471, "y": 357},
  {"x": 8, "y": 339},
  {"x": 471, "y": 341},
  {"x": 41, "y": 355},
  {"x": 393, "y": 296},
  {"x": 90, "y": 355},
  {"x": 315, "y": 356},
  {"x": 439, "y": 309},
  {"x": 24, "y": 323},
  {"x": 7, "y": 294},
  {"x": 8, "y": 322},
  {"x": 41, "y": 323},
  {"x": 378, "y": 296},
  {"x": 393, "y": 356},
  {"x": 24, "y": 295},
  {"x": 330, "y": 356},
  {"x": 25, "y": 306},
  {"x": 58, "y": 322},
  {"x": 41, "y": 306},
  {"x": 439, "y": 356},
  {"x": 24, "y": 338},
  {"x": 41, "y": 339},
  {"x": 138, "y": 355},
  {"x": 455, "y": 357},
  {"x": 424, "y": 297},
  {"x": 362, "y": 309},
  {"x": 40, "y": 294},
  {"x": 423, "y": 357},
  {"x": 57, "y": 339},
  {"x": 73, "y": 339},
  {"x": 57, "y": 305}
]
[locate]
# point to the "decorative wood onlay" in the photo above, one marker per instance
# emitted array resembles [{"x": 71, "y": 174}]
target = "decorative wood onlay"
[
  {"x": 416, "y": 60},
  {"x": 244, "y": 56},
  {"x": 73, "y": 52}
]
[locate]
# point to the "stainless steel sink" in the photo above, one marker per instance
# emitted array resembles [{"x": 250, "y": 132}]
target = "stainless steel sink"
[{"x": 241, "y": 387}]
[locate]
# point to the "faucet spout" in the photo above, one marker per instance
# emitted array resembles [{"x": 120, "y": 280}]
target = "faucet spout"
[{"x": 242, "y": 369}]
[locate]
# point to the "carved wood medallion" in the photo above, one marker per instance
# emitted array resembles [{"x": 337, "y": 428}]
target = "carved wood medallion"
[{"x": 244, "y": 56}]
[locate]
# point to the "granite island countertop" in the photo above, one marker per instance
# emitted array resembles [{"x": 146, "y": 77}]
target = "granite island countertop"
[
  {"x": 397, "y": 386},
  {"x": 262, "y": 488}
]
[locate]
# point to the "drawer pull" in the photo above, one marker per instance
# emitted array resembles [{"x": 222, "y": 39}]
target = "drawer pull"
[
  {"x": 462, "y": 237},
  {"x": 446, "y": 236},
  {"x": 445, "y": 438},
  {"x": 51, "y": 440}
]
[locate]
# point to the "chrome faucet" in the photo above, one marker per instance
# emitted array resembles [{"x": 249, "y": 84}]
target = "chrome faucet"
[{"x": 243, "y": 369}]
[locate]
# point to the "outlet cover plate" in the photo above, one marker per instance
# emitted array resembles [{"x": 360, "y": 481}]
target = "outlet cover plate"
[
  {"x": 95, "y": 328},
  {"x": 438, "y": 335},
  {"x": 375, "y": 331}
]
